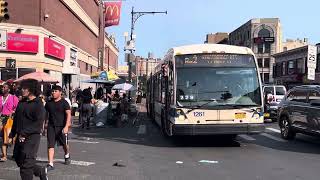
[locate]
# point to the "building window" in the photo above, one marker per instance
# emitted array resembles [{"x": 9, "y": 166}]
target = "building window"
[
  {"x": 87, "y": 67},
  {"x": 264, "y": 33},
  {"x": 24, "y": 71},
  {"x": 260, "y": 48},
  {"x": 267, "y": 48},
  {"x": 260, "y": 62},
  {"x": 266, "y": 77},
  {"x": 291, "y": 67},
  {"x": 278, "y": 69},
  {"x": 284, "y": 68},
  {"x": 300, "y": 66},
  {"x": 285, "y": 48},
  {"x": 266, "y": 62},
  {"x": 91, "y": 69},
  {"x": 7, "y": 74},
  {"x": 318, "y": 63}
]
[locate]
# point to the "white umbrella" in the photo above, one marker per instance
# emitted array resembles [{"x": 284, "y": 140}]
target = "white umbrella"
[{"x": 124, "y": 87}]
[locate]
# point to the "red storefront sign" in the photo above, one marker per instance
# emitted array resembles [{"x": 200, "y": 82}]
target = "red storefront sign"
[
  {"x": 22, "y": 43},
  {"x": 112, "y": 12},
  {"x": 54, "y": 49}
]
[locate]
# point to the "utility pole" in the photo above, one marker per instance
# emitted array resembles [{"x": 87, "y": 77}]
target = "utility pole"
[{"x": 135, "y": 15}]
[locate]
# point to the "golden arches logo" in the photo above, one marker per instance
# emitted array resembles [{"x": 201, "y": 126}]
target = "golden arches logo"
[{"x": 112, "y": 8}]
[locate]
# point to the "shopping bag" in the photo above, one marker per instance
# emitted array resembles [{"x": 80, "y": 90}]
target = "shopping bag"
[{"x": 7, "y": 130}]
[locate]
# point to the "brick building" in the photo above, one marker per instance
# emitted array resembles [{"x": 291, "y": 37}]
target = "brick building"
[
  {"x": 290, "y": 67},
  {"x": 217, "y": 38},
  {"x": 294, "y": 43},
  {"x": 264, "y": 37},
  {"x": 65, "y": 38}
]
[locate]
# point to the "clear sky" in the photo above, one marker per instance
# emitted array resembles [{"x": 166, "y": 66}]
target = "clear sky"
[{"x": 188, "y": 21}]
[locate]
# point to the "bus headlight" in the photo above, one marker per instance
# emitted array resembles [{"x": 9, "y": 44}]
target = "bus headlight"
[{"x": 177, "y": 113}]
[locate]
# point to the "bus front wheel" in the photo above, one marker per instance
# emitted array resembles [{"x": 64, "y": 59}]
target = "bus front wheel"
[{"x": 164, "y": 125}]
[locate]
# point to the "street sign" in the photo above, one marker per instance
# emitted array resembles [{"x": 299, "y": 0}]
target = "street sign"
[
  {"x": 11, "y": 63},
  {"x": 312, "y": 57},
  {"x": 260, "y": 40},
  {"x": 100, "y": 59},
  {"x": 3, "y": 40},
  {"x": 311, "y": 73}
]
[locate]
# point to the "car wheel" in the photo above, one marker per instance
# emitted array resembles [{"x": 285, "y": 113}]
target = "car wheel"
[{"x": 286, "y": 130}]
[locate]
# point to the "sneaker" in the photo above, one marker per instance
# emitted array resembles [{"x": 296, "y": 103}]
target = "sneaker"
[
  {"x": 67, "y": 161},
  {"x": 44, "y": 174},
  {"x": 49, "y": 167}
]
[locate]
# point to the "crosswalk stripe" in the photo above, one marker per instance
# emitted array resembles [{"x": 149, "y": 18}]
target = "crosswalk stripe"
[
  {"x": 142, "y": 129},
  {"x": 77, "y": 141},
  {"x": 272, "y": 137},
  {"x": 274, "y": 130},
  {"x": 73, "y": 162},
  {"x": 246, "y": 137},
  {"x": 83, "y": 142}
]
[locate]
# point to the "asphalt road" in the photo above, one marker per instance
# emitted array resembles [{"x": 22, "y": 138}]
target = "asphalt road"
[{"x": 140, "y": 152}]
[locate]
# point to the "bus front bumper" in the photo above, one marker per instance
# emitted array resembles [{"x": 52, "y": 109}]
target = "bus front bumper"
[{"x": 217, "y": 129}]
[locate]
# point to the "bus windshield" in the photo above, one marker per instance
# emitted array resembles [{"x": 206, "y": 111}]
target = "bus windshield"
[{"x": 236, "y": 86}]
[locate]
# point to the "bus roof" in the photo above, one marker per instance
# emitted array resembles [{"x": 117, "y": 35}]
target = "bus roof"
[{"x": 210, "y": 48}]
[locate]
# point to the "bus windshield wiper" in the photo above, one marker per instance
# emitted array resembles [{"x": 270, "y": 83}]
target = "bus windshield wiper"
[
  {"x": 200, "y": 106},
  {"x": 239, "y": 105}
]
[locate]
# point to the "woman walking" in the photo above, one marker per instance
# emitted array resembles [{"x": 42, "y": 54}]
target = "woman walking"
[{"x": 8, "y": 106}]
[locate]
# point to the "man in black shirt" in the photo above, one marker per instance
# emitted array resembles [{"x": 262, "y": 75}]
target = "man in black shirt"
[
  {"x": 27, "y": 125},
  {"x": 58, "y": 125}
]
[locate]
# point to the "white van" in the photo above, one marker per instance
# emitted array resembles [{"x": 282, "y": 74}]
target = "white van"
[
  {"x": 277, "y": 93},
  {"x": 273, "y": 94}
]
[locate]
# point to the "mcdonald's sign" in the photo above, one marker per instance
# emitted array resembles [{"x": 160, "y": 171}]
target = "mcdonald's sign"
[{"x": 112, "y": 12}]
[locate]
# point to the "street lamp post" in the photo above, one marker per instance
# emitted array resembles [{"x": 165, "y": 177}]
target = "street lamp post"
[{"x": 135, "y": 15}]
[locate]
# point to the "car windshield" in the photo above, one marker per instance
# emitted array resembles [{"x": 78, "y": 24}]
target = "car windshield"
[
  {"x": 280, "y": 91},
  {"x": 269, "y": 90},
  {"x": 222, "y": 86}
]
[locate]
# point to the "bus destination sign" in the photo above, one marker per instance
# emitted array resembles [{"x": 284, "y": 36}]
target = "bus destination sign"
[{"x": 215, "y": 60}]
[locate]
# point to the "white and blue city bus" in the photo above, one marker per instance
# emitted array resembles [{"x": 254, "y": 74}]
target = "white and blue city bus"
[{"x": 206, "y": 89}]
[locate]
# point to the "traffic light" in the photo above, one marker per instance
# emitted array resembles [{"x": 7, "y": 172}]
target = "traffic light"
[{"x": 4, "y": 10}]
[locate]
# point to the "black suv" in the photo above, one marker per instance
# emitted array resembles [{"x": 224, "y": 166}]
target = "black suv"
[{"x": 299, "y": 112}]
